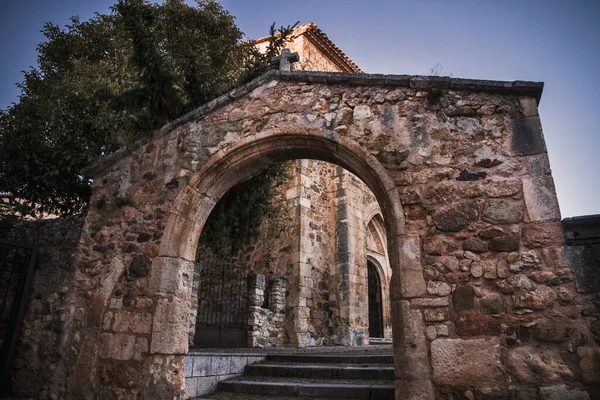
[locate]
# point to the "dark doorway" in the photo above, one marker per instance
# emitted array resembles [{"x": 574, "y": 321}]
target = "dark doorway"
[
  {"x": 222, "y": 304},
  {"x": 375, "y": 309}
]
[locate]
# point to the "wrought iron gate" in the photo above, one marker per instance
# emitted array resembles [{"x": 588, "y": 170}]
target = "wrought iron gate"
[
  {"x": 16, "y": 268},
  {"x": 222, "y": 319},
  {"x": 375, "y": 310}
]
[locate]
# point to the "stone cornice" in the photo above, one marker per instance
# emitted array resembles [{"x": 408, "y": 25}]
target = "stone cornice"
[{"x": 422, "y": 83}]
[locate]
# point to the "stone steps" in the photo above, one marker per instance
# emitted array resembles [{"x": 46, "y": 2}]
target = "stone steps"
[{"x": 314, "y": 377}]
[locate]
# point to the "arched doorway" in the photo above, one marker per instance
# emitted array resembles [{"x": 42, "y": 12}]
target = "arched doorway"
[{"x": 375, "y": 302}]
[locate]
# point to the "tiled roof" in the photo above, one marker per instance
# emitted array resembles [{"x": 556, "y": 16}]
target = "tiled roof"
[{"x": 318, "y": 38}]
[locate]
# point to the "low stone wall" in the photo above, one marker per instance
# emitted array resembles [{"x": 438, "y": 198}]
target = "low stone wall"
[
  {"x": 266, "y": 324},
  {"x": 37, "y": 368},
  {"x": 203, "y": 371}
]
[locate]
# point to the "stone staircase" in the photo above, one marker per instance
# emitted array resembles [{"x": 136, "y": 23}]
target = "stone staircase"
[{"x": 313, "y": 376}]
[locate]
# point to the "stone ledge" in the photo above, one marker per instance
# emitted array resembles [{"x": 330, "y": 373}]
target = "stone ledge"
[{"x": 515, "y": 88}]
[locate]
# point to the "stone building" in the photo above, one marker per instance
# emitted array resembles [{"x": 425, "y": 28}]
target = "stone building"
[{"x": 488, "y": 299}]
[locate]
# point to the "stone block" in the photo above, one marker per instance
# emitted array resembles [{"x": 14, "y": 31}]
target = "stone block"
[
  {"x": 460, "y": 363},
  {"x": 201, "y": 366},
  {"x": 135, "y": 322},
  {"x": 206, "y": 385},
  {"x": 497, "y": 211},
  {"x": 462, "y": 299},
  {"x": 532, "y": 364},
  {"x": 554, "y": 328},
  {"x": 220, "y": 365},
  {"x": 116, "y": 346},
  {"x": 471, "y": 323},
  {"x": 436, "y": 314},
  {"x": 191, "y": 386},
  {"x": 527, "y": 136},
  {"x": 562, "y": 392},
  {"x": 542, "y": 297},
  {"x": 409, "y": 277},
  {"x": 540, "y": 198},
  {"x": 172, "y": 276},
  {"x": 585, "y": 260},
  {"x": 408, "y": 324},
  {"x": 456, "y": 217},
  {"x": 492, "y": 304},
  {"x": 170, "y": 327},
  {"x": 237, "y": 364},
  {"x": 528, "y": 106},
  {"x": 590, "y": 364},
  {"x": 543, "y": 234},
  {"x": 438, "y": 288}
]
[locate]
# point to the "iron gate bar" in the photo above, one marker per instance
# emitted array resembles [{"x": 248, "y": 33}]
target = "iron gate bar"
[{"x": 9, "y": 342}]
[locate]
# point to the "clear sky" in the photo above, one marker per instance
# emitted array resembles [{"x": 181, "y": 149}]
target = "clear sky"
[{"x": 554, "y": 41}]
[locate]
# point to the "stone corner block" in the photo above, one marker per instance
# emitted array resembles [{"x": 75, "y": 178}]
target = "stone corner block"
[
  {"x": 527, "y": 136},
  {"x": 540, "y": 198}
]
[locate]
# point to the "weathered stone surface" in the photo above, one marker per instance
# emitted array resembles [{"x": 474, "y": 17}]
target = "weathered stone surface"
[
  {"x": 412, "y": 283},
  {"x": 534, "y": 365},
  {"x": 498, "y": 211},
  {"x": 172, "y": 276},
  {"x": 477, "y": 269},
  {"x": 515, "y": 283},
  {"x": 471, "y": 323},
  {"x": 134, "y": 322},
  {"x": 117, "y": 346},
  {"x": 502, "y": 269},
  {"x": 475, "y": 245},
  {"x": 169, "y": 327},
  {"x": 542, "y": 234},
  {"x": 590, "y": 364},
  {"x": 527, "y": 136},
  {"x": 505, "y": 243},
  {"x": 595, "y": 330},
  {"x": 584, "y": 259},
  {"x": 492, "y": 304},
  {"x": 436, "y": 314},
  {"x": 505, "y": 188},
  {"x": 462, "y": 299},
  {"x": 438, "y": 288},
  {"x": 562, "y": 392},
  {"x": 540, "y": 198},
  {"x": 542, "y": 297},
  {"x": 439, "y": 245},
  {"x": 456, "y": 217},
  {"x": 429, "y": 302},
  {"x": 470, "y": 363},
  {"x": 415, "y": 362},
  {"x": 556, "y": 328}
]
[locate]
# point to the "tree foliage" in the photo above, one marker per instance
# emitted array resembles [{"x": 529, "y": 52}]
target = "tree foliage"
[{"x": 103, "y": 83}]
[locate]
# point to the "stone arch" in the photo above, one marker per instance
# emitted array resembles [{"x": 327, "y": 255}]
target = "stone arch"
[{"x": 172, "y": 269}]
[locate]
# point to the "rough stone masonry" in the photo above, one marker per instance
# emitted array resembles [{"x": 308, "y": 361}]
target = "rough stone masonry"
[{"x": 483, "y": 300}]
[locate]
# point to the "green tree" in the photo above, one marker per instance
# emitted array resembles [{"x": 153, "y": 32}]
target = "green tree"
[{"x": 103, "y": 83}]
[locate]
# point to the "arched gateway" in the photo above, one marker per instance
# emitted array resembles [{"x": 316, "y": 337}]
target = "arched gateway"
[{"x": 412, "y": 140}]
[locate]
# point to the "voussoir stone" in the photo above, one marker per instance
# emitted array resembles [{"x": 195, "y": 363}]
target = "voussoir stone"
[{"x": 456, "y": 217}]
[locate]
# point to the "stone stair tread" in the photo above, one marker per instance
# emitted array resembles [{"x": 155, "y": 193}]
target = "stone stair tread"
[
  {"x": 333, "y": 358},
  {"x": 288, "y": 364},
  {"x": 244, "y": 396},
  {"x": 308, "y": 381}
]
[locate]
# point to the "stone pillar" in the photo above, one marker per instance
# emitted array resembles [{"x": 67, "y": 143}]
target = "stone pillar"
[
  {"x": 256, "y": 298},
  {"x": 351, "y": 260},
  {"x": 277, "y": 295}
]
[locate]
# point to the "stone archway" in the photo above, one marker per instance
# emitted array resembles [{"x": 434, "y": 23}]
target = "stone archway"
[
  {"x": 452, "y": 166},
  {"x": 195, "y": 202}
]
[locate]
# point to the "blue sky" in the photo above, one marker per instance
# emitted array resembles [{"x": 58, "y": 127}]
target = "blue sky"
[{"x": 554, "y": 41}]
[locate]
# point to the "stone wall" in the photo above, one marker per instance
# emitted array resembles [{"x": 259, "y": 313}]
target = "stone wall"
[{"x": 38, "y": 368}]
